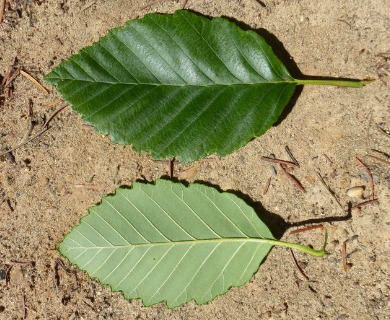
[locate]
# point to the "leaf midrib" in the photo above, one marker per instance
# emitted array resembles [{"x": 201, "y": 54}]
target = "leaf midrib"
[
  {"x": 184, "y": 242},
  {"x": 292, "y": 81}
]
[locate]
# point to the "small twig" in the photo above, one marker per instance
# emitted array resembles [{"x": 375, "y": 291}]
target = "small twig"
[
  {"x": 117, "y": 168},
  {"x": 306, "y": 229},
  {"x": 346, "y": 266},
  {"x": 30, "y": 127},
  {"x": 51, "y": 104},
  {"x": 184, "y": 3},
  {"x": 383, "y": 131},
  {"x": 171, "y": 167},
  {"x": 30, "y": 108},
  {"x": 24, "y": 308},
  {"x": 347, "y": 23},
  {"x": 362, "y": 204},
  {"x": 284, "y": 162},
  {"x": 44, "y": 128},
  {"x": 165, "y": 161},
  {"x": 384, "y": 55},
  {"x": 267, "y": 186},
  {"x": 293, "y": 179},
  {"x": 8, "y": 202},
  {"x": 8, "y": 86},
  {"x": 46, "y": 124},
  {"x": 369, "y": 175},
  {"x": 261, "y": 3},
  {"x": 60, "y": 263},
  {"x": 24, "y": 143},
  {"x": 327, "y": 158},
  {"x": 6, "y": 83},
  {"x": 149, "y": 5},
  {"x": 12, "y": 77},
  {"x": 20, "y": 262},
  {"x": 329, "y": 190},
  {"x": 2, "y": 10},
  {"x": 89, "y": 187},
  {"x": 382, "y": 153},
  {"x": 8, "y": 74},
  {"x": 298, "y": 266},
  {"x": 379, "y": 159},
  {"x": 291, "y": 156},
  {"x": 8, "y": 275},
  {"x": 29, "y": 77},
  {"x": 88, "y": 5}
]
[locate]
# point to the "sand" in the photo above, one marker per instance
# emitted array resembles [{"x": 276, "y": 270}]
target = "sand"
[{"x": 326, "y": 129}]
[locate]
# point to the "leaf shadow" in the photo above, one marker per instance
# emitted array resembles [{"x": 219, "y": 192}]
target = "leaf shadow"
[
  {"x": 277, "y": 225},
  {"x": 283, "y": 55}
]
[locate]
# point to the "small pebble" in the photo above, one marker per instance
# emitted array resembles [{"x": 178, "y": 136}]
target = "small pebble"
[{"x": 355, "y": 192}]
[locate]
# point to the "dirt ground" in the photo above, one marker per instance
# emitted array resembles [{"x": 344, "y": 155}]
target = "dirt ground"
[{"x": 44, "y": 184}]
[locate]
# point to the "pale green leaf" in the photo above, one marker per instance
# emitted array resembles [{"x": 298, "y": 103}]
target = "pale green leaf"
[{"x": 167, "y": 242}]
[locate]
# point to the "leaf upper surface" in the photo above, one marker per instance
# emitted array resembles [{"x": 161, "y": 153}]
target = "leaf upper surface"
[
  {"x": 177, "y": 85},
  {"x": 167, "y": 242}
]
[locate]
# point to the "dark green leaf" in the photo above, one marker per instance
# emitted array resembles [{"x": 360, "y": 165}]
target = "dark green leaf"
[{"x": 177, "y": 85}]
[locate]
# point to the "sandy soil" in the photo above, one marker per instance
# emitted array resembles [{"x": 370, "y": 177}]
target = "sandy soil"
[{"x": 326, "y": 129}]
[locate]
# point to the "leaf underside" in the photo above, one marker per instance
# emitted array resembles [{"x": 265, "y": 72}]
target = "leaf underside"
[
  {"x": 177, "y": 85},
  {"x": 169, "y": 243}
]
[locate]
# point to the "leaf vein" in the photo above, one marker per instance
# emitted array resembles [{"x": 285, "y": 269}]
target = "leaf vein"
[
  {"x": 139, "y": 211},
  {"x": 212, "y": 49}
]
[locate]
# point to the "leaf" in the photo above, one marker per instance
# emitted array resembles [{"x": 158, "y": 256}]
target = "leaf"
[
  {"x": 164, "y": 82},
  {"x": 167, "y": 242},
  {"x": 179, "y": 85}
]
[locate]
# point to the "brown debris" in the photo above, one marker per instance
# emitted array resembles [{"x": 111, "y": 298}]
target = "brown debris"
[
  {"x": 347, "y": 266},
  {"x": 284, "y": 162},
  {"x": 365, "y": 203},
  {"x": 2, "y": 9},
  {"x": 369, "y": 175},
  {"x": 44, "y": 128},
  {"x": 306, "y": 229},
  {"x": 329, "y": 190},
  {"x": 51, "y": 104},
  {"x": 293, "y": 179},
  {"x": 383, "y": 131},
  {"x": 378, "y": 159},
  {"x": 293, "y": 159},
  {"x": 299, "y": 267},
  {"x": 34, "y": 81},
  {"x": 171, "y": 167},
  {"x": 267, "y": 186},
  {"x": 94, "y": 187},
  {"x": 189, "y": 173},
  {"x": 6, "y": 84}
]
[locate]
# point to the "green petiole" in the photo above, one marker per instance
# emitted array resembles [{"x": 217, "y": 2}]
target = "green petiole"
[{"x": 334, "y": 82}]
